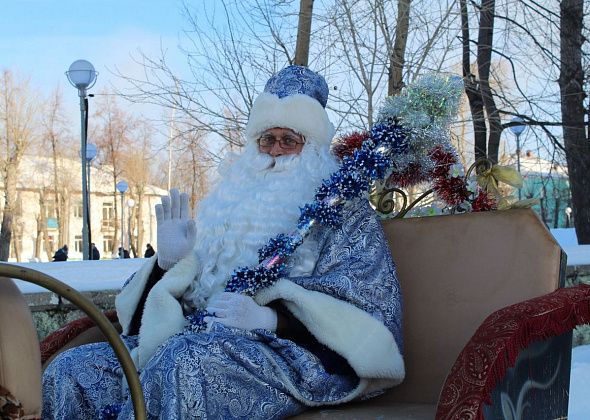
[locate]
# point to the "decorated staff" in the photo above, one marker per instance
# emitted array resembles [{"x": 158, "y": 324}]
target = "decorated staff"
[{"x": 411, "y": 131}]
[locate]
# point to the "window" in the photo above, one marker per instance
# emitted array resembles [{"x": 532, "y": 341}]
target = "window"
[
  {"x": 78, "y": 243},
  {"x": 50, "y": 210},
  {"x": 78, "y": 210},
  {"x": 107, "y": 244},
  {"x": 108, "y": 215}
]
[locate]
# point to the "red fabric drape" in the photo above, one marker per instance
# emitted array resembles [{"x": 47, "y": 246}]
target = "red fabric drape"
[{"x": 497, "y": 342}]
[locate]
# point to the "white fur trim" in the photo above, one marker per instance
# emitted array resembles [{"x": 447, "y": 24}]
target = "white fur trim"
[
  {"x": 127, "y": 300},
  {"x": 367, "y": 345},
  {"x": 298, "y": 112},
  {"x": 162, "y": 314}
]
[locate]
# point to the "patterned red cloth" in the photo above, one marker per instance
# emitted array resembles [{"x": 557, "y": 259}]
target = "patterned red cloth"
[
  {"x": 56, "y": 340},
  {"x": 495, "y": 346}
]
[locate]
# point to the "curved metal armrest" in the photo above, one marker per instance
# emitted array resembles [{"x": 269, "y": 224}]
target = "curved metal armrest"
[
  {"x": 495, "y": 346},
  {"x": 62, "y": 289}
]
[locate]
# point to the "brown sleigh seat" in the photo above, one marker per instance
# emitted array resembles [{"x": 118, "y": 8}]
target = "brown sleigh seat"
[{"x": 478, "y": 288}]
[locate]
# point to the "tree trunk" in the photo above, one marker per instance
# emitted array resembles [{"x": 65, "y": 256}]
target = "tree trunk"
[
  {"x": 139, "y": 222},
  {"x": 8, "y": 215},
  {"x": 577, "y": 145},
  {"x": 397, "y": 56},
  {"x": 303, "y": 32},
  {"x": 484, "y": 62},
  {"x": 116, "y": 234},
  {"x": 16, "y": 245},
  {"x": 38, "y": 238},
  {"x": 472, "y": 89}
]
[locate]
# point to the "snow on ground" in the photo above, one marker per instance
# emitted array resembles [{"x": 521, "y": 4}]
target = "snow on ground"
[
  {"x": 84, "y": 276},
  {"x": 111, "y": 274},
  {"x": 567, "y": 239},
  {"x": 579, "y": 405}
]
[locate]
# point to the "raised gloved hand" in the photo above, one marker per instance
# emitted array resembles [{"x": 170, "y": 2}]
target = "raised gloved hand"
[
  {"x": 240, "y": 311},
  {"x": 176, "y": 229}
]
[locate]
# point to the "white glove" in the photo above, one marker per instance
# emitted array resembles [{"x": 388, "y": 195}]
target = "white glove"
[
  {"x": 240, "y": 311},
  {"x": 176, "y": 229}
]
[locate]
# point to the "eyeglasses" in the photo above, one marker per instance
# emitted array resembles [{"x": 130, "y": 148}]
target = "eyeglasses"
[{"x": 286, "y": 142}]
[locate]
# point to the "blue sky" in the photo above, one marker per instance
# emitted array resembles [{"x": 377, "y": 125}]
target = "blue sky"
[{"x": 39, "y": 39}]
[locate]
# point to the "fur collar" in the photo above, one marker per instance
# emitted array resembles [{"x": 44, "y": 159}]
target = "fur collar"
[{"x": 162, "y": 315}]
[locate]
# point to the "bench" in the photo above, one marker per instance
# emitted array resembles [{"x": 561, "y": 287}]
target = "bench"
[{"x": 481, "y": 294}]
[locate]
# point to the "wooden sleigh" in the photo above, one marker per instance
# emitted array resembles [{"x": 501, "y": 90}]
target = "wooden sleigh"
[{"x": 487, "y": 325}]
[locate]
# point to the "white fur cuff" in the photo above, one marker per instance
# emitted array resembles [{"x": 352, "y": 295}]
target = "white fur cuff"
[{"x": 362, "y": 340}]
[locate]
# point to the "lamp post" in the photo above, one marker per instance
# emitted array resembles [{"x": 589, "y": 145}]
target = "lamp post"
[
  {"x": 122, "y": 187},
  {"x": 517, "y": 130},
  {"x": 82, "y": 76},
  {"x": 130, "y": 204},
  {"x": 91, "y": 152}
]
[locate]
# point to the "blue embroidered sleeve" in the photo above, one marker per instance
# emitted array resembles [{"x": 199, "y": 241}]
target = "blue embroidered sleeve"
[{"x": 355, "y": 265}]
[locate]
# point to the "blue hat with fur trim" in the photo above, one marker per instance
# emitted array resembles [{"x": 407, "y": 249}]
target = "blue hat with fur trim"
[
  {"x": 298, "y": 79},
  {"x": 294, "y": 98}
]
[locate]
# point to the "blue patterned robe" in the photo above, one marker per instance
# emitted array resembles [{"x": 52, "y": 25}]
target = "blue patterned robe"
[{"x": 351, "y": 304}]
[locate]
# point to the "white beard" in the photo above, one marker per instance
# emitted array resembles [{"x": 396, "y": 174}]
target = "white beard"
[{"x": 257, "y": 198}]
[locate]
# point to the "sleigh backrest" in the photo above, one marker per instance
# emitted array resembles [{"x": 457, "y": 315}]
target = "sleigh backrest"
[
  {"x": 455, "y": 271},
  {"x": 20, "y": 359}
]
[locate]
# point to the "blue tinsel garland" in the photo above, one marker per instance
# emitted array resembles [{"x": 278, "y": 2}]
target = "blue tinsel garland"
[{"x": 354, "y": 177}]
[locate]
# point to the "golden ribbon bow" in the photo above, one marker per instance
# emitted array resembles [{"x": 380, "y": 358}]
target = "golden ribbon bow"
[{"x": 489, "y": 178}]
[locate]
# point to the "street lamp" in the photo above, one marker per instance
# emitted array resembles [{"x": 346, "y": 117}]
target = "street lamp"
[
  {"x": 122, "y": 187},
  {"x": 82, "y": 76},
  {"x": 517, "y": 129},
  {"x": 91, "y": 152},
  {"x": 130, "y": 204},
  {"x": 568, "y": 216}
]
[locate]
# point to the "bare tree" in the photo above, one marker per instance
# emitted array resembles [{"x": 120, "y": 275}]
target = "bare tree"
[
  {"x": 114, "y": 134},
  {"x": 377, "y": 47},
  {"x": 359, "y": 54},
  {"x": 55, "y": 137},
  {"x": 136, "y": 161},
  {"x": 17, "y": 114},
  {"x": 192, "y": 167},
  {"x": 231, "y": 49},
  {"x": 577, "y": 142},
  {"x": 398, "y": 52}
]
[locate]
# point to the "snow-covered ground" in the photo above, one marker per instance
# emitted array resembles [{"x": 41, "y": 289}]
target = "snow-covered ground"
[
  {"x": 576, "y": 254},
  {"x": 84, "y": 276},
  {"x": 579, "y": 406}
]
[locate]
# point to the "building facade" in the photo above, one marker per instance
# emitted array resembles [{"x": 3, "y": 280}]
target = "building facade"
[
  {"x": 549, "y": 183},
  {"x": 47, "y": 215}
]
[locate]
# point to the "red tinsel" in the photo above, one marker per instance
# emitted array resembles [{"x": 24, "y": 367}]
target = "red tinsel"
[
  {"x": 443, "y": 160},
  {"x": 483, "y": 202},
  {"x": 345, "y": 146},
  {"x": 452, "y": 190},
  {"x": 412, "y": 175}
]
